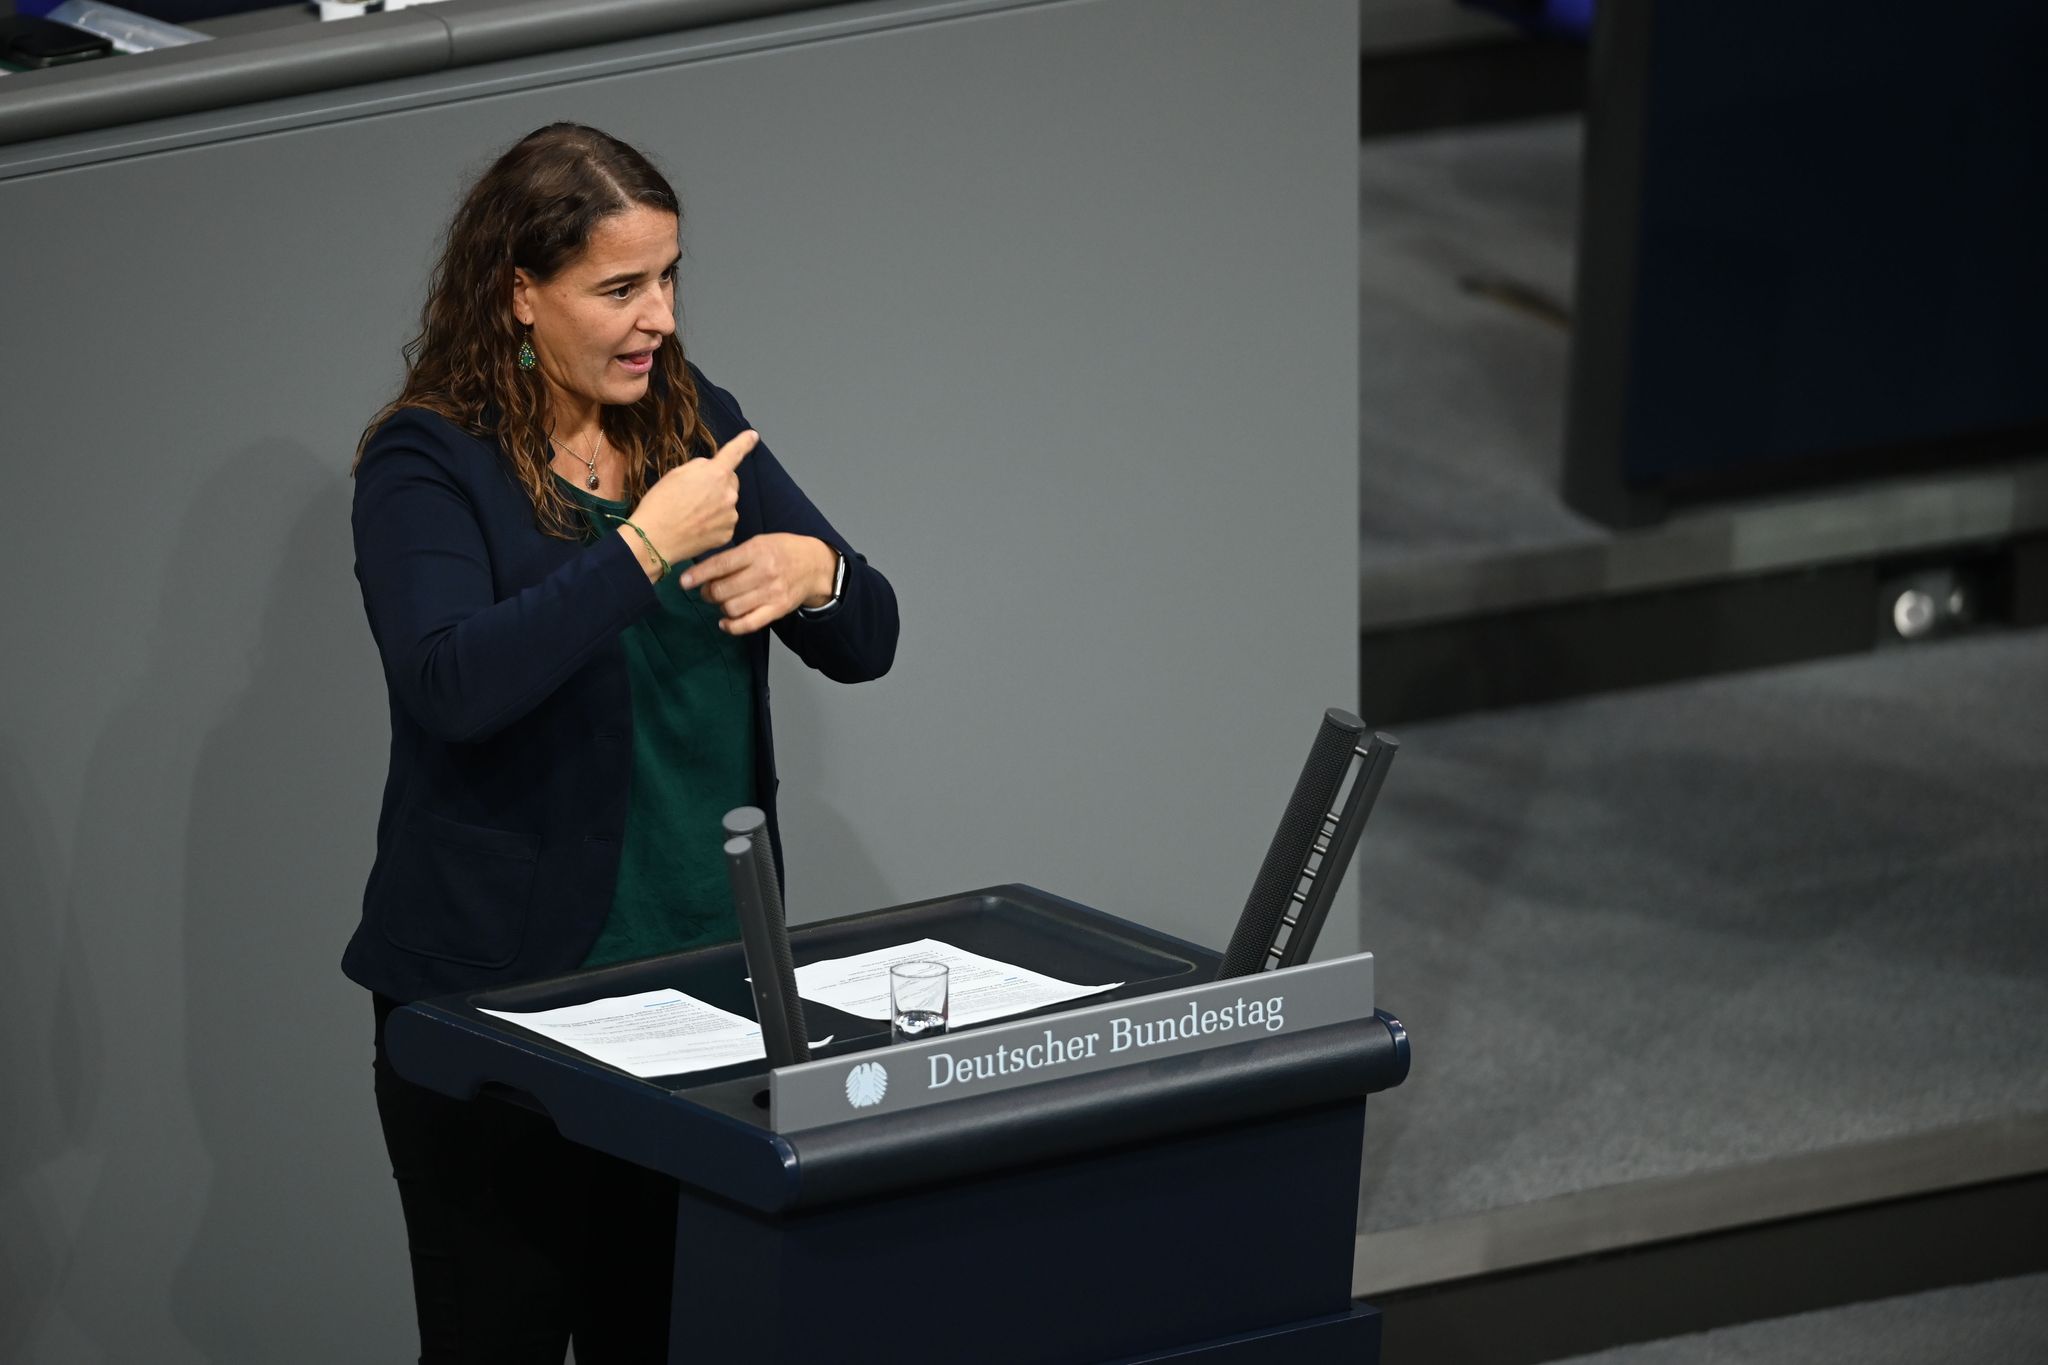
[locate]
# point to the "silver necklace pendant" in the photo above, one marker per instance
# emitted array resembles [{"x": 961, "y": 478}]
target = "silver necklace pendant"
[{"x": 591, "y": 482}]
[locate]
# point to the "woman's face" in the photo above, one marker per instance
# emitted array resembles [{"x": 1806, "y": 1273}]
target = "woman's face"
[{"x": 598, "y": 322}]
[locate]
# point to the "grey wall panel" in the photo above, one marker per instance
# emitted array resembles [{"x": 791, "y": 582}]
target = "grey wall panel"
[{"x": 1052, "y": 307}]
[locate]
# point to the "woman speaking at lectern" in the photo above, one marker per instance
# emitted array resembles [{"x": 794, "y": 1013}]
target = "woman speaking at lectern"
[{"x": 572, "y": 550}]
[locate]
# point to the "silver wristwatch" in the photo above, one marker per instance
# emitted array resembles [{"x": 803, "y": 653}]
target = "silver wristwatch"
[{"x": 838, "y": 587}]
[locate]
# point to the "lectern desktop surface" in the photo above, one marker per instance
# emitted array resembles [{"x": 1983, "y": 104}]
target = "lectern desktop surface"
[
  {"x": 1015, "y": 924},
  {"x": 708, "y": 1127}
]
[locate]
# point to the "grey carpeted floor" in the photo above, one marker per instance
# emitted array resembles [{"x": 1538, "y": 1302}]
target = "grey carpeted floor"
[
  {"x": 2004, "y": 1322},
  {"x": 1461, "y": 394},
  {"x": 1655, "y": 932}
]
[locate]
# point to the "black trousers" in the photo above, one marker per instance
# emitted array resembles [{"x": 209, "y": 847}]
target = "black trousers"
[{"x": 521, "y": 1240}]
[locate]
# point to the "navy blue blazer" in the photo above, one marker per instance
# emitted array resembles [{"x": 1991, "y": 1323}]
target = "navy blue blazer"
[{"x": 511, "y": 714}]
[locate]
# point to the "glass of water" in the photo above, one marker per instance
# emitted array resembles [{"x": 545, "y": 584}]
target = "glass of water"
[{"x": 917, "y": 1001}]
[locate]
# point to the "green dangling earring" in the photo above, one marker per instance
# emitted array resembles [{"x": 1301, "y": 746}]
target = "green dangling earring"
[{"x": 526, "y": 357}]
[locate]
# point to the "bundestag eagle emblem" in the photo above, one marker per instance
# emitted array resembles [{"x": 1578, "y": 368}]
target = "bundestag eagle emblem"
[{"x": 866, "y": 1084}]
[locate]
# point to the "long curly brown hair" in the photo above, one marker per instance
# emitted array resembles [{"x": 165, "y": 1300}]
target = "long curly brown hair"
[{"x": 535, "y": 209}]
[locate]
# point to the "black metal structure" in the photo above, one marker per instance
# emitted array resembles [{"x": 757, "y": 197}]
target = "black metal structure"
[{"x": 1805, "y": 260}]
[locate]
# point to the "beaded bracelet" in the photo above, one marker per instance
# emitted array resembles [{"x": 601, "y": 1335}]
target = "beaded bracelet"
[{"x": 663, "y": 563}]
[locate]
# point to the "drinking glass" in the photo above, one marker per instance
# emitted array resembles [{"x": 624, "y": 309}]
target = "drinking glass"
[{"x": 917, "y": 1001}]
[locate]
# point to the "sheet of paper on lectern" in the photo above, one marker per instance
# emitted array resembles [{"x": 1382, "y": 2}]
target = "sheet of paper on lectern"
[
  {"x": 978, "y": 988},
  {"x": 654, "y": 1033}
]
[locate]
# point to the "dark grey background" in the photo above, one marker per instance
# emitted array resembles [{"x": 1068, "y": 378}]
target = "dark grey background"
[{"x": 1051, "y": 305}]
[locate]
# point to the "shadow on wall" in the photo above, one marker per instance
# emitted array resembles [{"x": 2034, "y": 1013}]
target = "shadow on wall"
[
  {"x": 300, "y": 1239},
  {"x": 41, "y": 1163},
  {"x": 814, "y": 833},
  {"x": 186, "y": 1015},
  {"x": 193, "y": 1079}
]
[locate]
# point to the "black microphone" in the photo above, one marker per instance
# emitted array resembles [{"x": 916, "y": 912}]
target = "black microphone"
[
  {"x": 1308, "y": 855},
  {"x": 757, "y": 897}
]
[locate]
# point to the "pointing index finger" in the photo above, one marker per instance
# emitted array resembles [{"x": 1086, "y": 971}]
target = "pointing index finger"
[{"x": 732, "y": 452}]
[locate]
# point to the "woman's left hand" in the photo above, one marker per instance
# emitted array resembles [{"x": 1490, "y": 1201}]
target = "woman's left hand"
[{"x": 759, "y": 581}]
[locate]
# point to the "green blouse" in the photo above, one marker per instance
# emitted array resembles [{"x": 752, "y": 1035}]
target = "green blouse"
[{"x": 693, "y": 760}]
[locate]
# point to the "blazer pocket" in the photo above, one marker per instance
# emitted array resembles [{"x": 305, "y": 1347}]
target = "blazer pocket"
[{"x": 458, "y": 892}]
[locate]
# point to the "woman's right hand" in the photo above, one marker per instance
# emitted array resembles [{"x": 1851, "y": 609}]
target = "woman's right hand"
[{"x": 695, "y": 506}]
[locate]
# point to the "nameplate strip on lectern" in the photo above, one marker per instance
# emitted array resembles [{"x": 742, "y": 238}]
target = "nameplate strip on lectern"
[{"x": 1052, "y": 1047}]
